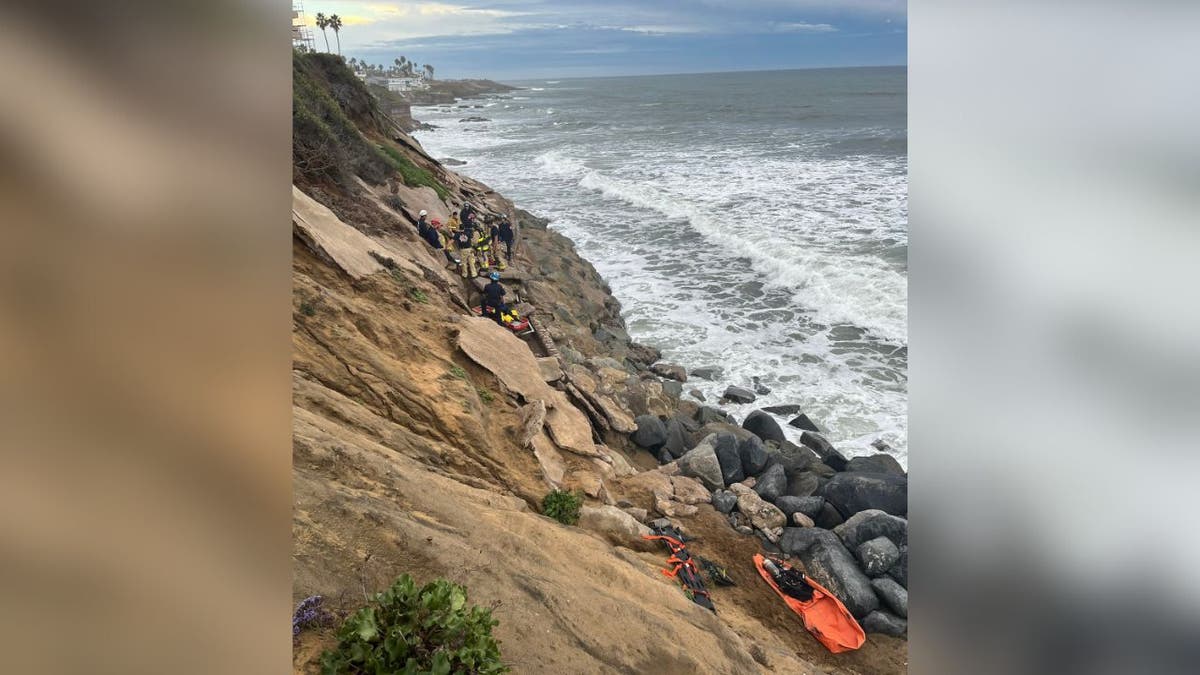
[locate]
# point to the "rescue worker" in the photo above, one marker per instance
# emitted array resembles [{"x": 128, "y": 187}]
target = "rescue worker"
[
  {"x": 483, "y": 246},
  {"x": 506, "y": 236},
  {"x": 464, "y": 242},
  {"x": 422, "y": 224},
  {"x": 431, "y": 235},
  {"x": 493, "y": 299}
]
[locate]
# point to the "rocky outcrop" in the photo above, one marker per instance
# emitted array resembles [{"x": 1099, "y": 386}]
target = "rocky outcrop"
[
  {"x": 772, "y": 483},
  {"x": 871, "y": 524},
  {"x": 672, "y": 371},
  {"x": 854, "y": 492},
  {"x": 753, "y": 455},
  {"x": 764, "y": 426},
  {"x": 877, "y": 463},
  {"x": 651, "y": 432},
  {"x": 877, "y": 556},
  {"x": 893, "y": 595},
  {"x": 701, "y": 463},
  {"x": 803, "y": 422},
  {"x": 738, "y": 395},
  {"x": 726, "y": 447},
  {"x": 824, "y": 449},
  {"x": 708, "y": 372}
]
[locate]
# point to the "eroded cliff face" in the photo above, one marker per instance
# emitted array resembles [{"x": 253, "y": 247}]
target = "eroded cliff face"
[{"x": 425, "y": 438}]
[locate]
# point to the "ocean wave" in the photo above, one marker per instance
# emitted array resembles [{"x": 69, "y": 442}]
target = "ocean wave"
[{"x": 839, "y": 289}]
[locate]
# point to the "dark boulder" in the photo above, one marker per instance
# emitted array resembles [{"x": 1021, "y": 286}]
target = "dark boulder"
[
  {"x": 726, "y": 446},
  {"x": 791, "y": 409},
  {"x": 899, "y": 571},
  {"x": 828, "y": 518},
  {"x": 753, "y": 454},
  {"x": 893, "y": 595},
  {"x": 708, "y": 372},
  {"x": 828, "y": 454},
  {"x": 665, "y": 457},
  {"x": 885, "y": 623},
  {"x": 688, "y": 422},
  {"x": 672, "y": 388},
  {"x": 822, "y": 470},
  {"x": 804, "y": 505},
  {"x": 651, "y": 432},
  {"x": 877, "y": 555},
  {"x": 809, "y": 506},
  {"x": 803, "y": 484},
  {"x": 854, "y": 492},
  {"x": 828, "y": 561},
  {"x": 802, "y": 422},
  {"x": 738, "y": 395},
  {"x": 764, "y": 426},
  {"x": 871, "y": 524},
  {"x": 772, "y": 483},
  {"x": 877, "y": 463},
  {"x": 708, "y": 414},
  {"x": 676, "y": 441},
  {"x": 697, "y": 394},
  {"x": 724, "y": 501}
]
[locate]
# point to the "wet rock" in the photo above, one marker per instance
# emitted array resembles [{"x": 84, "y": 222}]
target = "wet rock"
[
  {"x": 871, "y": 524},
  {"x": 854, "y": 492},
  {"x": 877, "y": 463},
  {"x": 783, "y": 410},
  {"x": 893, "y": 595},
  {"x": 708, "y": 372},
  {"x": 760, "y": 388},
  {"x": 664, "y": 456},
  {"x": 474, "y": 118},
  {"x": 738, "y": 395},
  {"x": 809, "y": 506},
  {"x": 821, "y": 470},
  {"x": 885, "y": 623},
  {"x": 726, "y": 447},
  {"x": 671, "y": 371},
  {"x": 676, "y": 441},
  {"x": 701, "y": 462},
  {"x": 764, "y": 426},
  {"x": 697, "y": 394},
  {"x": 762, "y": 515},
  {"x": 450, "y": 161},
  {"x": 753, "y": 455},
  {"x": 877, "y": 555},
  {"x": 802, "y": 520},
  {"x": 828, "y": 518},
  {"x": 708, "y": 414},
  {"x": 724, "y": 501},
  {"x": 690, "y": 491},
  {"x": 651, "y": 433},
  {"x": 803, "y": 422},
  {"x": 772, "y": 484},
  {"x": 899, "y": 571},
  {"x": 828, "y": 561},
  {"x": 803, "y": 484},
  {"x": 672, "y": 388},
  {"x": 824, "y": 449}
]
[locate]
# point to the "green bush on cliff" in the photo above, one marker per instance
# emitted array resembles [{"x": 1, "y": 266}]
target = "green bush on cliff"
[
  {"x": 411, "y": 629},
  {"x": 413, "y": 175},
  {"x": 562, "y": 506}
]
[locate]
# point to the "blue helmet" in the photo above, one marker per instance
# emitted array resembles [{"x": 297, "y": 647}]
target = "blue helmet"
[{"x": 494, "y": 276}]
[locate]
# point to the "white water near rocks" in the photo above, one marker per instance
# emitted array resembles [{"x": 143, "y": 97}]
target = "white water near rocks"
[{"x": 753, "y": 221}]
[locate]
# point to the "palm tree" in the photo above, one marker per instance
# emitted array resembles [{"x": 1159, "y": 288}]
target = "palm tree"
[
  {"x": 335, "y": 22},
  {"x": 429, "y": 70},
  {"x": 323, "y": 23}
]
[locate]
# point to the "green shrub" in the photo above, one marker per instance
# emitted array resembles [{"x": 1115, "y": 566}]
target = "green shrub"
[
  {"x": 562, "y": 506},
  {"x": 308, "y": 308},
  {"x": 413, "y": 175},
  {"x": 485, "y": 395},
  {"x": 419, "y": 295},
  {"x": 407, "y": 629},
  {"x": 458, "y": 372}
]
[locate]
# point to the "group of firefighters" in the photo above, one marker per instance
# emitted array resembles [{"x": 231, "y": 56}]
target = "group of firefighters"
[{"x": 478, "y": 242}]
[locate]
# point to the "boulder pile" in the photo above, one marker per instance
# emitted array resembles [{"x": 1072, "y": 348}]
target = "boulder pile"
[{"x": 844, "y": 519}]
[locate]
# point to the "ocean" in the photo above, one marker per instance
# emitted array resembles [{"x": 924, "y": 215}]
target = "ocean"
[{"x": 753, "y": 221}]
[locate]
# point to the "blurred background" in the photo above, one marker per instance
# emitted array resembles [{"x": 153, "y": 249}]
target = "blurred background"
[{"x": 1054, "y": 338}]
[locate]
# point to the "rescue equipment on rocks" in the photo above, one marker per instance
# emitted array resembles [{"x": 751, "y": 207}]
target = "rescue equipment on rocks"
[
  {"x": 823, "y": 614},
  {"x": 683, "y": 567}
]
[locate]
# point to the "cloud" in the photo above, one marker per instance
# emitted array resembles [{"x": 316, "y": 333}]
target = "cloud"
[{"x": 802, "y": 27}]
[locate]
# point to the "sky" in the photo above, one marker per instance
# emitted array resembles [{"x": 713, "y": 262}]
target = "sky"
[{"x": 530, "y": 39}]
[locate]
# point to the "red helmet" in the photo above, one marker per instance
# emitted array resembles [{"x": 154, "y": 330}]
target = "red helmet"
[{"x": 435, "y": 222}]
